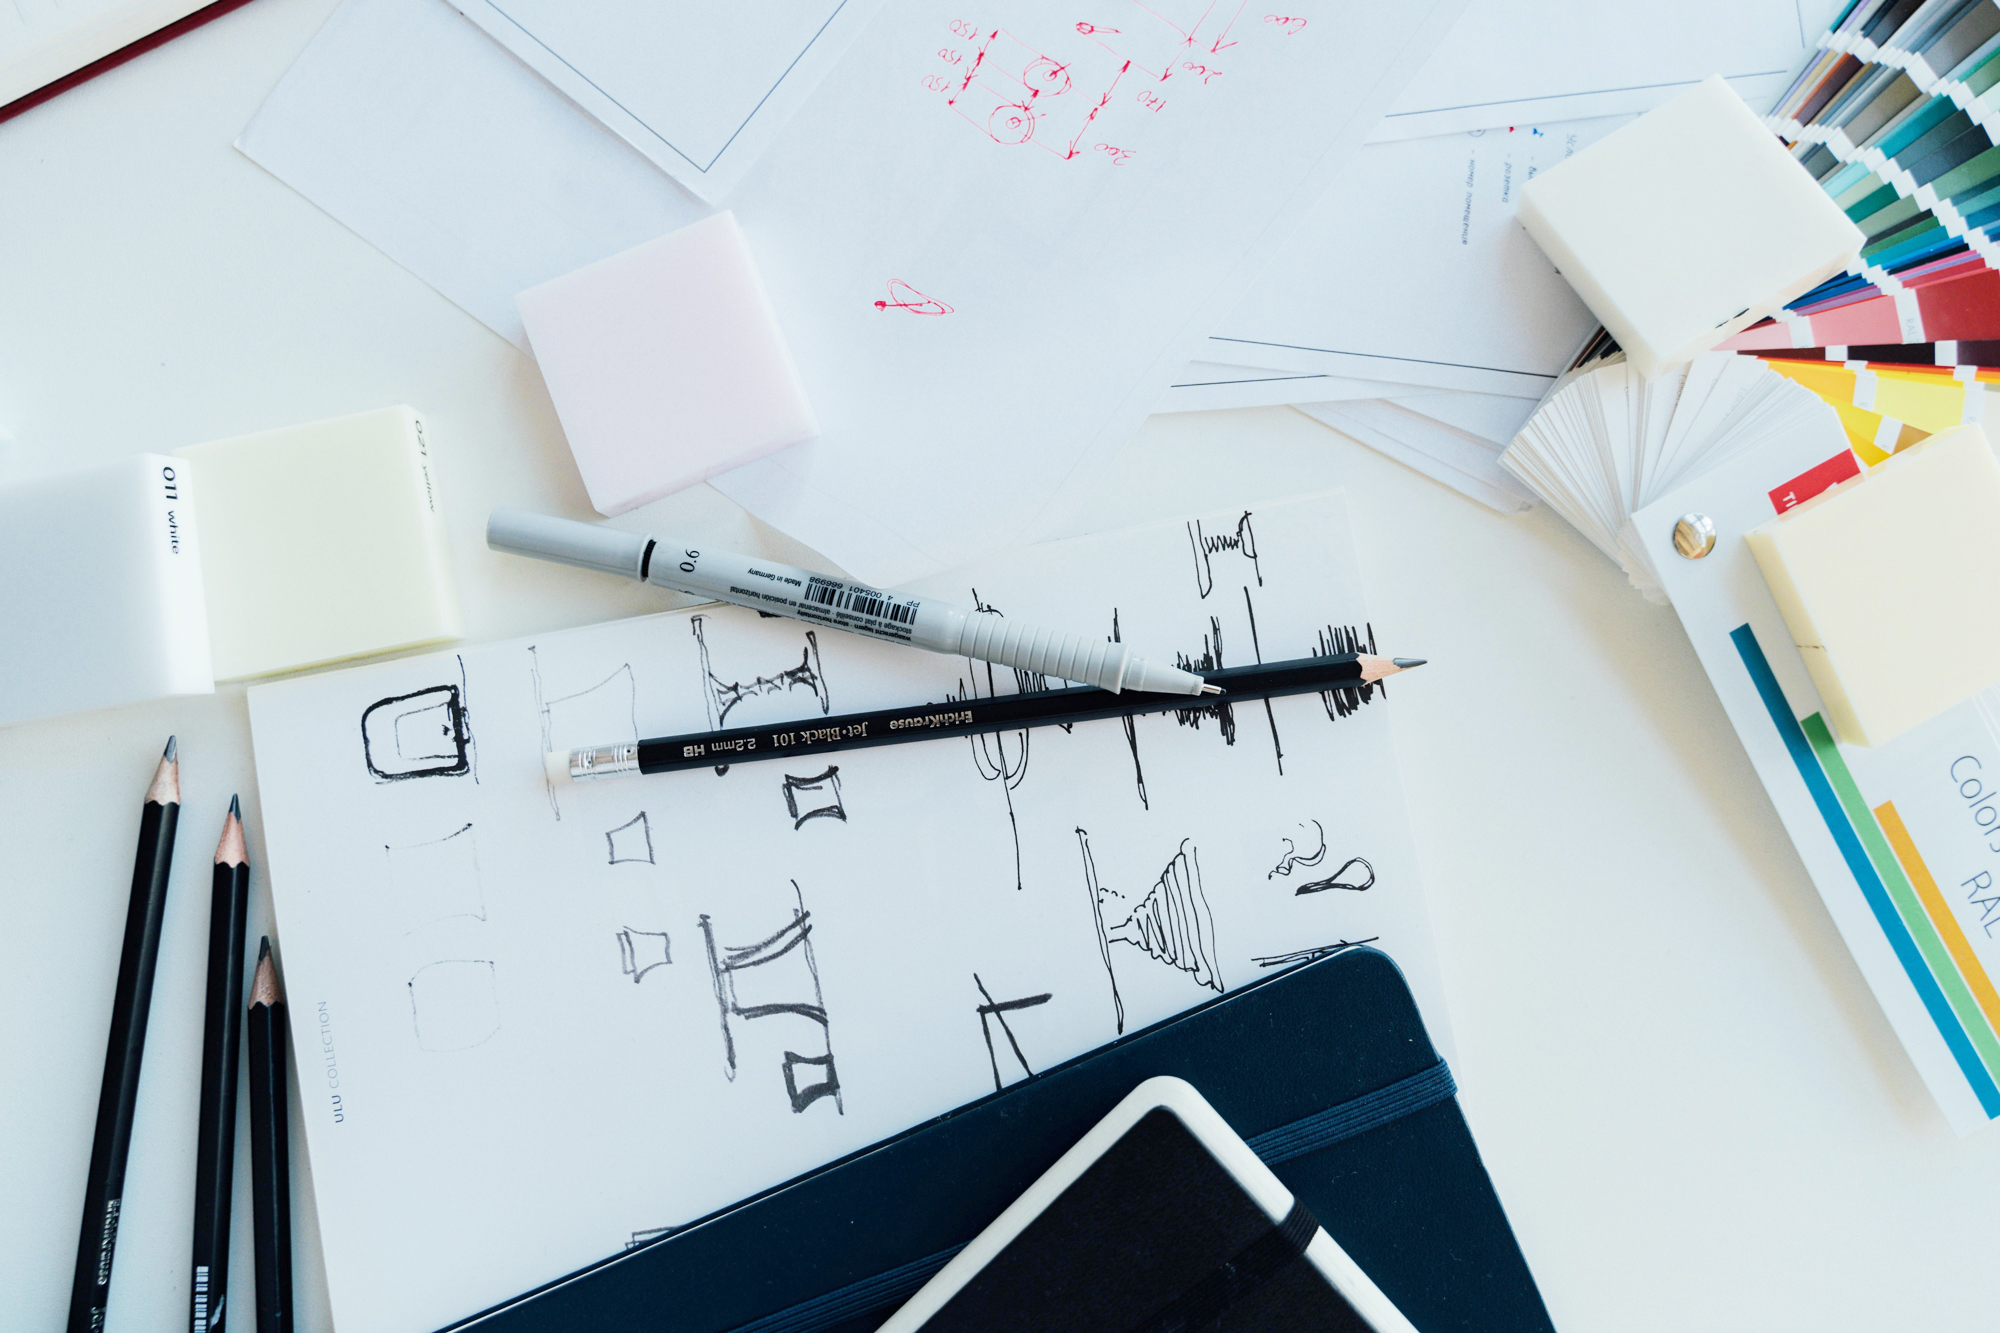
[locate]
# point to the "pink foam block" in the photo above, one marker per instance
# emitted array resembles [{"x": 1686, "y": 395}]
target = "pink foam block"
[{"x": 666, "y": 364}]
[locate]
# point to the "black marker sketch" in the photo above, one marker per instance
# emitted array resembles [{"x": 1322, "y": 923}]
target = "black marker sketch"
[
  {"x": 655, "y": 1233},
  {"x": 631, "y": 841},
  {"x": 606, "y": 713},
  {"x": 1170, "y": 922},
  {"x": 1242, "y": 541},
  {"x": 1257, "y": 649},
  {"x": 1347, "y": 639},
  {"x": 1335, "y": 880},
  {"x": 1097, "y": 896},
  {"x": 1307, "y": 955},
  {"x": 723, "y": 695},
  {"x": 730, "y": 968},
  {"x": 640, "y": 951},
  {"x": 1209, "y": 660},
  {"x": 822, "y": 797},
  {"x": 424, "y": 734},
  {"x": 1131, "y": 731},
  {"x": 1000, "y": 756},
  {"x": 436, "y": 880},
  {"x": 453, "y": 1004},
  {"x": 1293, "y": 858},
  {"x": 996, "y": 1012}
]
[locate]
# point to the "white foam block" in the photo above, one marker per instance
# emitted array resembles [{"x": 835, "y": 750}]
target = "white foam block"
[
  {"x": 1888, "y": 583},
  {"x": 322, "y": 543},
  {"x": 1686, "y": 225},
  {"x": 100, "y": 589},
  {"x": 666, "y": 364}
]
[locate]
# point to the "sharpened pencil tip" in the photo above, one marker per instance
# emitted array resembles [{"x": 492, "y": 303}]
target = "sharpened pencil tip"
[
  {"x": 231, "y": 851},
  {"x": 264, "y": 987},
  {"x": 166, "y": 784},
  {"x": 1405, "y": 663},
  {"x": 235, "y": 805}
]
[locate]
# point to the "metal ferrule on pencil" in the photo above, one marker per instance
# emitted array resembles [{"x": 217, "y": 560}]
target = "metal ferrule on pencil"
[{"x": 604, "y": 762}]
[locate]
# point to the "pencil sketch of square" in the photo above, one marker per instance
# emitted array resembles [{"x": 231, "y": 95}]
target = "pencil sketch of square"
[
  {"x": 631, "y": 841},
  {"x": 454, "y": 1004},
  {"x": 435, "y": 880},
  {"x": 640, "y": 951},
  {"x": 816, "y": 797}
]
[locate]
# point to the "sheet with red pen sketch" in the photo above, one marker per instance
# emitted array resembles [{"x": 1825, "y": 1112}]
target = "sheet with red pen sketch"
[
  {"x": 994, "y": 232},
  {"x": 1028, "y": 193}
]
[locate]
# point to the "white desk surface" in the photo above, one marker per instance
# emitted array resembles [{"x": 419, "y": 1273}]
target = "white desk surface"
[{"x": 1692, "y": 1108}]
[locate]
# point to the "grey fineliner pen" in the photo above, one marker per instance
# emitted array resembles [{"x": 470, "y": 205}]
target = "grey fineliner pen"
[{"x": 820, "y": 599}]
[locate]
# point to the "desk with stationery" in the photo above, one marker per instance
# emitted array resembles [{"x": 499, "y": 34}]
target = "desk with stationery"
[{"x": 787, "y": 623}]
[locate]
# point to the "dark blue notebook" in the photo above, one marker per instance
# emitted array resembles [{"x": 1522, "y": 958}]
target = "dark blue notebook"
[{"x": 1326, "y": 1070}]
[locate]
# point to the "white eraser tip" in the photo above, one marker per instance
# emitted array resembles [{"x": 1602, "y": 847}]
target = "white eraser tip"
[{"x": 556, "y": 765}]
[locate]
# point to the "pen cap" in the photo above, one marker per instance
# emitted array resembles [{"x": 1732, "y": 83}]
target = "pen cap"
[{"x": 566, "y": 541}]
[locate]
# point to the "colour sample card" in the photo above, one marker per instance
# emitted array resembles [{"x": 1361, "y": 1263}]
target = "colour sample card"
[
  {"x": 536, "y": 1021},
  {"x": 1898, "y": 839}
]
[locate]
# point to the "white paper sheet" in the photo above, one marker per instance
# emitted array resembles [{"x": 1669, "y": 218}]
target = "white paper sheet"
[
  {"x": 903, "y": 191},
  {"x": 701, "y": 90},
  {"x": 1491, "y": 417},
  {"x": 1464, "y": 462},
  {"x": 515, "y": 1044},
  {"x": 1514, "y": 61},
  {"x": 457, "y": 161},
  {"x": 1415, "y": 271},
  {"x": 1203, "y": 386}
]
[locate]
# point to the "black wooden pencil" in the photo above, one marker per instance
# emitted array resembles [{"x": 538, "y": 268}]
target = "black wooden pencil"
[
  {"x": 966, "y": 717},
  {"x": 104, "y": 1186},
  {"x": 270, "y": 1155},
  {"x": 215, "y": 1142}
]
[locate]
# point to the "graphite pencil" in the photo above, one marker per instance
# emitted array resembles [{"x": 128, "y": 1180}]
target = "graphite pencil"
[
  {"x": 104, "y": 1186},
  {"x": 215, "y": 1141},
  {"x": 965, "y": 717},
  {"x": 270, "y": 1150}
]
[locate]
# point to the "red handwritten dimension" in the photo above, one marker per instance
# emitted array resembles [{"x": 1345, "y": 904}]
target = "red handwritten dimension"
[{"x": 1058, "y": 96}]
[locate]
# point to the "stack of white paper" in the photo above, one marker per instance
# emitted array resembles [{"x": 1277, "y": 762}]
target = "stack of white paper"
[{"x": 1608, "y": 442}]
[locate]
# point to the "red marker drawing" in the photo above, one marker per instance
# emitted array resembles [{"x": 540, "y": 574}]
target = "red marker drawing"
[{"x": 902, "y": 296}]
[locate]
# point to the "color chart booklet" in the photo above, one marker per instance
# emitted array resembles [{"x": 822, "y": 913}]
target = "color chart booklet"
[
  {"x": 536, "y": 1023},
  {"x": 1902, "y": 840}
]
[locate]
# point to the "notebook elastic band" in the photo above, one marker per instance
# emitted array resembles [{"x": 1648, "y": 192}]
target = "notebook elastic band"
[
  {"x": 881, "y": 1292},
  {"x": 1369, "y": 1111},
  {"x": 1405, "y": 1096}
]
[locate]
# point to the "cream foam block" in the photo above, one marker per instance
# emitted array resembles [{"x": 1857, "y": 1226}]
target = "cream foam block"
[
  {"x": 666, "y": 365},
  {"x": 1888, "y": 584},
  {"x": 100, "y": 589},
  {"x": 322, "y": 543},
  {"x": 1686, "y": 225}
]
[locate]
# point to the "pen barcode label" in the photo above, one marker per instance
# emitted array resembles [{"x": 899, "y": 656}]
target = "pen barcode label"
[{"x": 861, "y": 601}]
